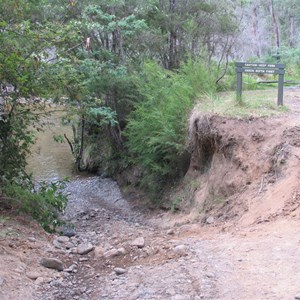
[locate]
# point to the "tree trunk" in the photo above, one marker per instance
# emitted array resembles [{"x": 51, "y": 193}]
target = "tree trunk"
[
  {"x": 172, "y": 37},
  {"x": 254, "y": 30},
  {"x": 292, "y": 31},
  {"x": 80, "y": 153},
  {"x": 276, "y": 29}
]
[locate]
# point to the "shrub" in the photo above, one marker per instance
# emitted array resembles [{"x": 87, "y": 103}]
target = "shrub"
[
  {"x": 157, "y": 128},
  {"x": 43, "y": 205}
]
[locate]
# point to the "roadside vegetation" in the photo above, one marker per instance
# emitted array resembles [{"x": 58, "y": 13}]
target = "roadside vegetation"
[{"x": 129, "y": 73}]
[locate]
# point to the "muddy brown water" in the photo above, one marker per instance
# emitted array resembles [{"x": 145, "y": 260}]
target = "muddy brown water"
[{"x": 50, "y": 160}]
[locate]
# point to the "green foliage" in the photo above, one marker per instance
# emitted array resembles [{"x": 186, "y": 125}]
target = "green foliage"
[
  {"x": 157, "y": 129},
  {"x": 102, "y": 116},
  {"x": 199, "y": 75},
  {"x": 43, "y": 205},
  {"x": 15, "y": 142},
  {"x": 24, "y": 41},
  {"x": 291, "y": 57},
  {"x": 89, "y": 56}
]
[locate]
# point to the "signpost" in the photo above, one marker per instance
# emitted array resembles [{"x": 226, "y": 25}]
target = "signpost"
[{"x": 260, "y": 68}]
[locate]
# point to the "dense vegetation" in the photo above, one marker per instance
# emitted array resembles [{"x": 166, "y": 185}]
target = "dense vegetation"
[{"x": 129, "y": 72}]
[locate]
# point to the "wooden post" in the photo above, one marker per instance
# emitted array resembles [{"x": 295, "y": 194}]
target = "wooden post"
[
  {"x": 239, "y": 85},
  {"x": 280, "y": 89}
]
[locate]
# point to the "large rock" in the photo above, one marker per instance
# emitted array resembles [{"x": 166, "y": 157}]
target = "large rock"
[
  {"x": 84, "y": 248},
  {"x": 52, "y": 263},
  {"x": 139, "y": 242}
]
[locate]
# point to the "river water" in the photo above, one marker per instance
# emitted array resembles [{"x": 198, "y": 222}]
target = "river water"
[{"x": 50, "y": 160}]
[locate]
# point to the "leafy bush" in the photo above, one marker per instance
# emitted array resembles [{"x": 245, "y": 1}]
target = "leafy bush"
[
  {"x": 157, "y": 129},
  {"x": 43, "y": 205}
]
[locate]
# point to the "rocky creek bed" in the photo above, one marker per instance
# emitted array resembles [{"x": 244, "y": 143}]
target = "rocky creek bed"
[{"x": 117, "y": 253}]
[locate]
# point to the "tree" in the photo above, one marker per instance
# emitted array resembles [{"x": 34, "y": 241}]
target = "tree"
[
  {"x": 21, "y": 67},
  {"x": 24, "y": 43}
]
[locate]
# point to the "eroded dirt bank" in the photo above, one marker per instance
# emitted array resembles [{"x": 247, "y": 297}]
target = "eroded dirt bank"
[{"x": 248, "y": 249}]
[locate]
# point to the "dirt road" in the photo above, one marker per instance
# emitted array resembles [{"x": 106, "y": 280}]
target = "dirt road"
[{"x": 184, "y": 262}]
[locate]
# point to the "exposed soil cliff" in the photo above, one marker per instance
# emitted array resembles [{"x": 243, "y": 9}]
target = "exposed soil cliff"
[{"x": 247, "y": 170}]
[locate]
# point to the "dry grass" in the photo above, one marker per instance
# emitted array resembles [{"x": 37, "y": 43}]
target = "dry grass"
[{"x": 254, "y": 103}]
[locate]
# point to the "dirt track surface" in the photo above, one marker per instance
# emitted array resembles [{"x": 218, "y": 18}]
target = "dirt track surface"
[
  {"x": 253, "y": 255},
  {"x": 189, "y": 262}
]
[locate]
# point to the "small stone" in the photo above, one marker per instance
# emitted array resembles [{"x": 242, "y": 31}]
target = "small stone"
[
  {"x": 84, "y": 248},
  {"x": 68, "y": 231},
  {"x": 111, "y": 253},
  {"x": 170, "y": 232},
  {"x": 33, "y": 275},
  {"x": 52, "y": 263},
  {"x": 121, "y": 251},
  {"x": 69, "y": 245},
  {"x": 57, "y": 244},
  {"x": 1, "y": 280},
  {"x": 181, "y": 250},
  {"x": 171, "y": 291},
  {"x": 71, "y": 269},
  {"x": 210, "y": 220},
  {"x": 39, "y": 280},
  {"x": 82, "y": 259},
  {"x": 120, "y": 271},
  {"x": 139, "y": 242},
  {"x": 178, "y": 297},
  {"x": 32, "y": 239},
  {"x": 209, "y": 275},
  {"x": 63, "y": 239},
  {"x": 99, "y": 251},
  {"x": 74, "y": 251}
]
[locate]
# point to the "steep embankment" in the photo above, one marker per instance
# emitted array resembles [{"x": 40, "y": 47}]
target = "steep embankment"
[{"x": 245, "y": 169}]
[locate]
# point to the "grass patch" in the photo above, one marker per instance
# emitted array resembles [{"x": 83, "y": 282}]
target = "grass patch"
[{"x": 260, "y": 103}]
